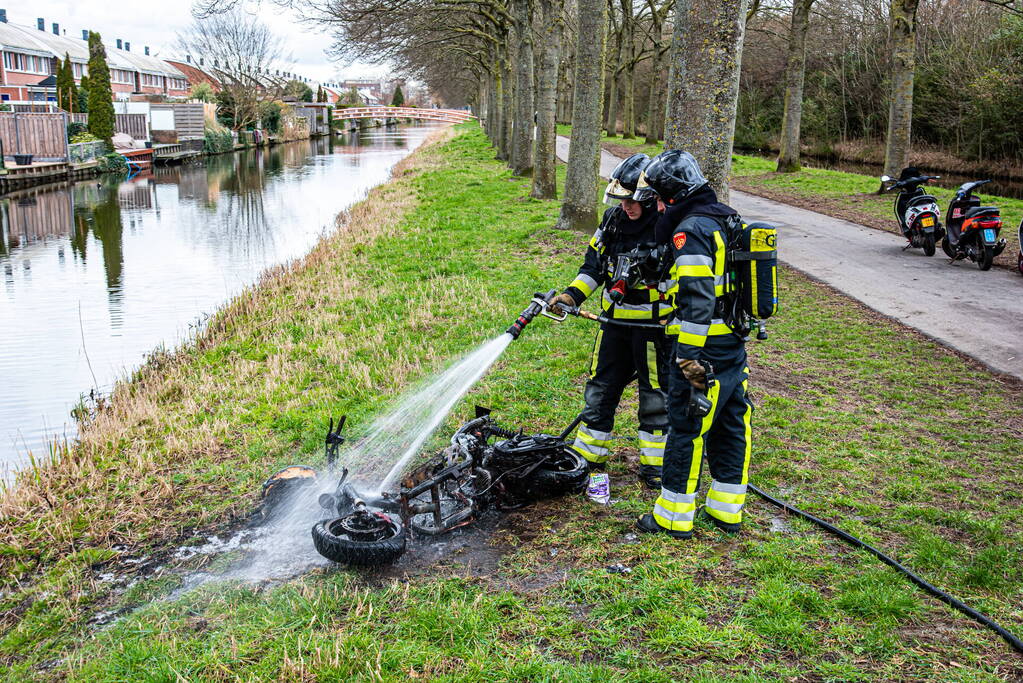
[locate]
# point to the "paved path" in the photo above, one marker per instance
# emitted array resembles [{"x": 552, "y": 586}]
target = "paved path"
[{"x": 982, "y": 317}]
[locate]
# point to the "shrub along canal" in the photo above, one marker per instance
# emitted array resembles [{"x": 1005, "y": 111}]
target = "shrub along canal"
[{"x": 100, "y": 273}]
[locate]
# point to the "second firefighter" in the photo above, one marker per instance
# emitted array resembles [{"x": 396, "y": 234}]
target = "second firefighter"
[{"x": 623, "y": 259}]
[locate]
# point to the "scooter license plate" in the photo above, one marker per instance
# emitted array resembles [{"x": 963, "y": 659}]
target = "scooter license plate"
[
  {"x": 927, "y": 222},
  {"x": 989, "y": 235}
]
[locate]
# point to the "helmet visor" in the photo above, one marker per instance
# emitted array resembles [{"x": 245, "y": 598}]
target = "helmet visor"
[
  {"x": 643, "y": 190},
  {"x": 615, "y": 191}
]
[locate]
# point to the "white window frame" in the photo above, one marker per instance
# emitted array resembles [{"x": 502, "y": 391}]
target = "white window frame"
[
  {"x": 39, "y": 64},
  {"x": 27, "y": 63}
]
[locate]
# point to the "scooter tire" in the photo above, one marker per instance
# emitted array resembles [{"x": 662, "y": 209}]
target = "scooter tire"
[
  {"x": 947, "y": 248},
  {"x": 569, "y": 476},
  {"x": 987, "y": 257},
  {"x": 337, "y": 547},
  {"x": 928, "y": 244}
]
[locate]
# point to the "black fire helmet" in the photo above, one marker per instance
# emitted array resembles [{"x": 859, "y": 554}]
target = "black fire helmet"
[
  {"x": 672, "y": 175},
  {"x": 625, "y": 177}
]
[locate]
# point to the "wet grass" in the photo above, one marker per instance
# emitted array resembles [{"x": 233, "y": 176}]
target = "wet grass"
[{"x": 858, "y": 420}]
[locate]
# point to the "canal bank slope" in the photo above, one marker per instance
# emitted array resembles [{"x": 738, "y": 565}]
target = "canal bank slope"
[{"x": 850, "y": 424}]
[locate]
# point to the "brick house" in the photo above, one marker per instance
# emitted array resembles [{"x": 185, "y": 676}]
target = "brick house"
[
  {"x": 195, "y": 74},
  {"x": 30, "y": 56}
]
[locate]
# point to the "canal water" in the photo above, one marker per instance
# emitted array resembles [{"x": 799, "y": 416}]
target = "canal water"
[{"x": 97, "y": 274}]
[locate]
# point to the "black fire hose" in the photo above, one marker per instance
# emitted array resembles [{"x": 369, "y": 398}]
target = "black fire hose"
[
  {"x": 936, "y": 592},
  {"x": 572, "y": 425}
]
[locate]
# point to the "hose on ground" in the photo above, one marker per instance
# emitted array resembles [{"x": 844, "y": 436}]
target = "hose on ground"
[{"x": 929, "y": 588}]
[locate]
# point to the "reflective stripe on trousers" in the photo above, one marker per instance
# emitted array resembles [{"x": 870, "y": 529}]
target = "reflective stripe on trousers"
[
  {"x": 651, "y": 447},
  {"x": 675, "y": 511},
  {"x": 723, "y": 436},
  {"x": 725, "y": 501},
  {"x": 592, "y": 444}
]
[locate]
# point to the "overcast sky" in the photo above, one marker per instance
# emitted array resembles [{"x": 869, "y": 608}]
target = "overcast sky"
[{"x": 156, "y": 24}]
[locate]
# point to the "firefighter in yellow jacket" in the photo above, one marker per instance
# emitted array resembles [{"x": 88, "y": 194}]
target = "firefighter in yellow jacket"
[{"x": 708, "y": 372}]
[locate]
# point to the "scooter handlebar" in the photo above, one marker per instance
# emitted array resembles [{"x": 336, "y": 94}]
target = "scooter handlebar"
[{"x": 909, "y": 182}]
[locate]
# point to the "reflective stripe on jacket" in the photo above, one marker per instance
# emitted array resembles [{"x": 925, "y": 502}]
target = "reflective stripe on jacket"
[
  {"x": 697, "y": 280},
  {"x": 640, "y": 303}
]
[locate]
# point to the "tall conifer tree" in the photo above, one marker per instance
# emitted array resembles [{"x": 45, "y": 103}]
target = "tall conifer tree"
[
  {"x": 101, "y": 96},
  {"x": 398, "y": 99},
  {"x": 83, "y": 94},
  {"x": 67, "y": 95}
]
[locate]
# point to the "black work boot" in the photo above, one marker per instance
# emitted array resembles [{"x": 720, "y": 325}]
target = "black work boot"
[
  {"x": 651, "y": 476},
  {"x": 728, "y": 528},
  {"x": 648, "y": 525}
]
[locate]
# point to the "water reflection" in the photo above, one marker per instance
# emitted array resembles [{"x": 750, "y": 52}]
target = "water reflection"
[{"x": 99, "y": 272}]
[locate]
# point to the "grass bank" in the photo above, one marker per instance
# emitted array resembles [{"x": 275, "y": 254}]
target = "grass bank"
[
  {"x": 850, "y": 196},
  {"x": 859, "y": 420}
]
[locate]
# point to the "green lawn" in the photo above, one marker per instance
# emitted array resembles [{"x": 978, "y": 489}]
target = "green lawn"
[{"x": 858, "y": 420}]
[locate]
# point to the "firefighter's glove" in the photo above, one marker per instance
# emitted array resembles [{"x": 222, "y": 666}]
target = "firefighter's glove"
[
  {"x": 694, "y": 372},
  {"x": 563, "y": 298}
]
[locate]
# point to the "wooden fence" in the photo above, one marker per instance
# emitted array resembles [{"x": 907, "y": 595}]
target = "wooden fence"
[
  {"x": 42, "y": 135},
  {"x": 130, "y": 124},
  {"x": 35, "y": 108},
  {"x": 189, "y": 118}
]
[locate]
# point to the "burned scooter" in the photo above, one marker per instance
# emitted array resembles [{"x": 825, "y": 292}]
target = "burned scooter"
[{"x": 484, "y": 467}]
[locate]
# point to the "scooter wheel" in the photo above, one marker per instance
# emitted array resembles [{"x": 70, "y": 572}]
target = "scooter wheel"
[
  {"x": 363, "y": 539},
  {"x": 947, "y": 248},
  {"x": 928, "y": 245},
  {"x": 567, "y": 473},
  {"x": 986, "y": 258}
]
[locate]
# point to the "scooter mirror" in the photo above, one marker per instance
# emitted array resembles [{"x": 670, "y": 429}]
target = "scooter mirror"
[{"x": 885, "y": 178}]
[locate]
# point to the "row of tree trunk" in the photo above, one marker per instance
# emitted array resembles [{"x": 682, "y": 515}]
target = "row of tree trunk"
[
  {"x": 902, "y": 36},
  {"x": 519, "y": 96}
]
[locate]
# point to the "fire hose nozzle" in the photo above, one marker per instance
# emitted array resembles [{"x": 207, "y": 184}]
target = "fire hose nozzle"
[{"x": 537, "y": 306}]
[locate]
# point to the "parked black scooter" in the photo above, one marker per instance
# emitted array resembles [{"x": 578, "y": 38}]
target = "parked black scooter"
[
  {"x": 917, "y": 212},
  {"x": 973, "y": 229},
  {"x": 1019, "y": 255}
]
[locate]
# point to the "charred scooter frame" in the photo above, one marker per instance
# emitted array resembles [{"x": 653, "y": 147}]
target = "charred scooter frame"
[{"x": 473, "y": 474}]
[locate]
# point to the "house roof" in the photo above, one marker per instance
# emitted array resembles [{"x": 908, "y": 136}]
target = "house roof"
[
  {"x": 194, "y": 74},
  {"x": 32, "y": 40},
  {"x": 367, "y": 95}
]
